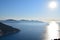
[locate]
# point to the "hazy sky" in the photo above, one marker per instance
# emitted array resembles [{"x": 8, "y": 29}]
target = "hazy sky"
[{"x": 28, "y": 9}]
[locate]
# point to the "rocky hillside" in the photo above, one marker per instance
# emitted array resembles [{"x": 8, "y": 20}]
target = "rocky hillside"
[{"x": 6, "y": 29}]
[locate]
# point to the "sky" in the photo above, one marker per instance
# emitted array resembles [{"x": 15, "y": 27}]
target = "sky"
[{"x": 28, "y": 9}]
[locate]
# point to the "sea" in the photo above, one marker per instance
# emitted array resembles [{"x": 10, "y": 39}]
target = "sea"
[{"x": 29, "y": 31}]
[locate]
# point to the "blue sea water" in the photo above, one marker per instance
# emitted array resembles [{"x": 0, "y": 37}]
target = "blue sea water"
[{"x": 29, "y": 31}]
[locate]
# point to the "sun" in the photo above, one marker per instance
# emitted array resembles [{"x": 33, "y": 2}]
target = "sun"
[{"x": 53, "y": 5}]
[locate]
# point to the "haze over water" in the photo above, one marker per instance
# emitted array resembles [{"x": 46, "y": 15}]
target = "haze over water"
[{"x": 29, "y": 31}]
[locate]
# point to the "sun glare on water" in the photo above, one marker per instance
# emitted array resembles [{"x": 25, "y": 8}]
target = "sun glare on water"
[{"x": 52, "y": 31}]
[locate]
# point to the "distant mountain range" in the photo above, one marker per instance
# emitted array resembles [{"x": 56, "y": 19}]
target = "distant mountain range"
[
  {"x": 12, "y": 20},
  {"x": 9, "y": 20}
]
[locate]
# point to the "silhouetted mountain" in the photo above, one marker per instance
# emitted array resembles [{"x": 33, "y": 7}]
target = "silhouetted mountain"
[
  {"x": 12, "y": 20},
  {"x": 9, "y": 20},
  {"x": 6, "y": 30},
  {"x": 24, "y": 20},
  {"x": 31, "y": 21}
]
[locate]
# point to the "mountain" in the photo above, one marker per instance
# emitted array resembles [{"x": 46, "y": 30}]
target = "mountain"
[
  {"x": 23, "y": 20},
  {"x": 7, "y": 30},
  {"x": 31, "y": 21},
  {"x": 9, "y": 20}
]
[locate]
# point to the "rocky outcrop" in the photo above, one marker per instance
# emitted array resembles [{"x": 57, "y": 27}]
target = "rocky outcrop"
[{"x": 6, "y": 30}]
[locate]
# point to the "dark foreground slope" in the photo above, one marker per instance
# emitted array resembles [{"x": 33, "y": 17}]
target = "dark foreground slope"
[{"x": 7, "y": 30}]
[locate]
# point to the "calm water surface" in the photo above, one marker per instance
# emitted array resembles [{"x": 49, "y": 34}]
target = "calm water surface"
[{"x": 29, "y": 31}]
